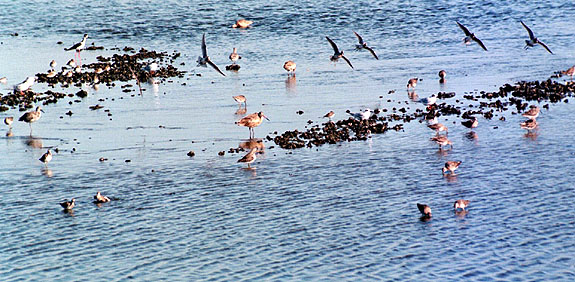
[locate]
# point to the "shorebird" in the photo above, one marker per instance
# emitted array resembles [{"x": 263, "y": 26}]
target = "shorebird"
[
  {"x": 532, "y": 113},
  {"x": 289, "y": 66},
  {"x": 460, "y": 204},
  {"x": 411, "y": 83},
  {"x": 151, "y": 68},
  {"x": 442, "y": 141},
  {"x": 336, "y": 53},
  {"x": 249, "y": 158},
  {"x": 470, "y": 36},
  {"x": 450, "y": 166},
  {"x": 242, "y": 24},
  {"x": 471, "y": 123},
  {"x": 240, "y": 99},
  {"x": 68, "y": 205},
  {"x": 533, "y": 40},
  {"x": 78, "y": 47},
  {"x": 424, "y": 209},
  {"x": 438, "y": 127},
  {"x": 363, "y": 45},
  {"x": 24, "y": 85},
  {"x": 3, "y": 80},
  {"x": 32, "y": 116},
  {"x": 329, "y": 115},
  {"x": 570, "y": 72},
  {"x": 234, "y": 56},
  {"x": 365, "y": 115},
  {"x": 46, "y": 158},
  {"x": 442, "y": 75},
  {"x": 429, "y": 101},
  {"x": 51, "y": 74},
  {"x": 99, "y": 198},
  {"x": 8, "y": 121},
  {"x": 251, "y": 121},
  {"x": 529, "y": 124},
  {"x": 71, "y": 63},
  {"x": 204, "y": 60},
  {"x": 53, "y": 64}
]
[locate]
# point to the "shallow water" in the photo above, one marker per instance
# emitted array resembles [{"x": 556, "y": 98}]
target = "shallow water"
[{"x": 337, "y": 212}]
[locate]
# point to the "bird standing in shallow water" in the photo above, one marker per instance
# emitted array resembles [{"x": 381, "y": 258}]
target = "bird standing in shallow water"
[
  {"x": 470, "y": 36},
  {"x": 78, "y": 47},
  {"x": 234, "y": 56},
  {"x": 336, "y": 53},
  {"x": 529, "y": 125},
  {"x": 240, "y": 99},
  {"x": 450, "y": 166},
  {"x": 533, "y": 40},
  {"x": 68, "y": 205},
  {"x": 289, "y": 66},
  {"x": 425, "y": 210},
  {"x": 204, "y": 60},
  {"x": 442, "y": 75},
  {"x": 99, "y": 198},
  {"x": 249, "y": 158},
  {"x": 471, "y": 123},
  {"x": 411, "y": 83},
  {"x": 532, "y": 113},
  {"x": 363, "y": 45},
  {"x": 442, "y": 141},
  {"x": 251, "y": 121},
  {"x": 242, "y": 23},
  {"x": 570, "y": 72},
  {"x": 32, "y": 116},
  {"x": 46, "y": 157},
  {"x": 460, "y": 204},
  {"x": 438, "y": 127}
]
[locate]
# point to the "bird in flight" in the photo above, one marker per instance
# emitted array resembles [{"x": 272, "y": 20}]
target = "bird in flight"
[
  {"x": 363, "y": 45},
  {"x": 204, "y": 60},
  {"x": 470, "y": 36},
  {"x": 533, "y": 40},
  {"x": 337, "y": 54}
]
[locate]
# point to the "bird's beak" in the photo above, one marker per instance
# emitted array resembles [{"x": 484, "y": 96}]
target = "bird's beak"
[
  {"x": 42, "y": 110},
  {"x": 266, "y": 117}
]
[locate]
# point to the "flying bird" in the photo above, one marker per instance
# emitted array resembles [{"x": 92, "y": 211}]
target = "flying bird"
[
  {"x": 533, "y": 40},
  {"x": 336, "y": 53},
  {"x": 363, "y": 45},
  {"x": 204, "y": 60},
  {"x": 470, "y": 36}
]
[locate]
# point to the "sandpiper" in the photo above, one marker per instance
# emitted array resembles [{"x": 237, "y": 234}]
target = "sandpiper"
[
  {"x": 249, "y": 158},
  {"x": 24, "y": 85},
  {"x": 450, "y": 166},
  {"x": 529, "y": 125},
  {"x": 570, "y": 72},
  {"x": 242, "y": 23},
  {"x": 289, "y": 66},
  {"x": 234, "y": 56},
  {"x": 329, "y": 115},
  {"x": 442, "y": 75},
  {"x": 470, "y": 36},
  {"x": 363, "y": 45},
  {"x": 46, "y": 157},
  {"x": 460, "y": 204},
  {"x": 533, "y": 40},
  {"x": 79, "y": 47},
  {"x": 251, "y": 121},
  {"x": 71, "y": 63},
  {"x": 204, "y": 60},
  {"x": 240, "y": 99},
  {"x": 336, "y": 53},
  {"x": 53, "y": 64},
  {"x": 442, "y": 141},
  {"x": 32, "y": 116},
  {"x": 411, "y": 83},
  {"x": 99, "y": 198},
  {"x": 8, "y": 121},
  {"x": 424, "y": 209},
  {"x": 438, "y": 127},
  {"x": 471, "y": 123},
  {"x": 68, "y": 205},
  {"x": 532, "y": 113},
  {"x": 365, "y": 115}
]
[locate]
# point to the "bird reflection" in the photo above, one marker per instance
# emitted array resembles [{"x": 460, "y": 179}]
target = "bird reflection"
[
  {"x": 412, "y": 96},
  {"x": 155, "y": 85},
  {"x": 9, "y": 133},
  {"x": 68, "y": 212},
  {"x": 451, "y": 178},
  {"x": 290, "y": 84},
  {"x": 241, "y": 111},
  {"x": 532, "y": 135},
  {"x": 461, "y": 214},
  {"x": 34, "y": 142},
  {"x": 424, "y": 218},
  {"x": 47, "y": 172},
  {"x": 254, "y": 143}
]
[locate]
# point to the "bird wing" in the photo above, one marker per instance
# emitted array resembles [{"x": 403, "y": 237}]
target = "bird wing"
[
  {"x": 479, "y": 42},
  {"x": 335, "y": 49},
  {"x": 73, "y": 47},
  {"x": 467, "y": 33},
  {"x": 204, "y": 49},
  {"x": 215, "y": 67},
  {"x": 372, "y": 52},
  {"x": 358, "y": 38},
  {"x": 421, "y": 208},
  {"x": 347, "y": 61},
  {"x": 544, "y": 46},
  {"x": 531, "y": 36}
]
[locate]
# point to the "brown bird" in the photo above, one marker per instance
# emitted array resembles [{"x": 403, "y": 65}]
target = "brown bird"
[
  {"x": 442, "y": 75},
  {"x": 424, "y": 209},
  {"x": 451, "y": 166},
  {"x": 242, "y": 23},
  {"x": 234, "y": 56},
  {"x": 249, "y": 158},
  {"x": 471, "y": 123},
  {"x": 411, "y": 83},
  {"x": 570, "y": 72},
  {"x": 438, "y": 127},
  {"x": 240, "y": 99},
  {"x": 442, "y": 141},
  {"x": 329, "y": 115},
  {"x": 68, "y": 205},
  {"x": 532, "y": 113},
  {"x": 8, "y": 121},
  {"x": 252, "y": 121},
  {"x": 460, "y": 204},
  {"x": 289, "y": 66},
  {"x": 99, "y": 198},
  {"x": 46, "y": 157},
  {"x": 32, "y": 116}
]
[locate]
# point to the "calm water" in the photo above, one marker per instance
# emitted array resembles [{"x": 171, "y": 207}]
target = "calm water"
[{"x": 338, "y": 212}]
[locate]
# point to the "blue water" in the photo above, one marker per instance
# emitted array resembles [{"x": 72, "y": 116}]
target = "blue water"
[{"x": 337, "y": 212}]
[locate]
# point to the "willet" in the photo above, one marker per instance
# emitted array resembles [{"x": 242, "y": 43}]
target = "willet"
[
  {"x": 242, "y": 23},
  {"x": 204, "y": 60},
  {"x": 251, "y": 121},
  {"x": 533, "y": 40},
  {"x": 470, "y": 36},
  {"x": 337, "y": 53},
  {"x": 46, "y": 157},
  {"x": 442, "y": 141},
  {"x": 78, "y": 47},
  {"x": 240, "y": 99},
  {"x": 289, "y": 66},
  {"x": 363, "y": 45},
  {"x": 450, "y": 166},
  {"x": 471, "y": 123},
  {"x": 99, "y": 198},
  {"x": 68, "y": 205},
  {"x": 424, "y": 209},
  {"x": 532, "y": 113},
  {"x": 234, "y": 56},
  {"x": 32, "y": 116},
  {"x": 460, "y": 204},
  {"x": 249, "y": 158}
]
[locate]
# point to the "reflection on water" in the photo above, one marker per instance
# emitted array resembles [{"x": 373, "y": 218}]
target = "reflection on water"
[
  {"x": 34, "y": 142},
  {"x": 9, "y": 133},
  {"x": 241, "y": 111},
  {"x": 290, "y": 83},
  {"x": 460, "y": 214},
  {"x": 256, "y": 143},
  {"x": 412, "y": 95},
  {"x": 47, "y": 172}
]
